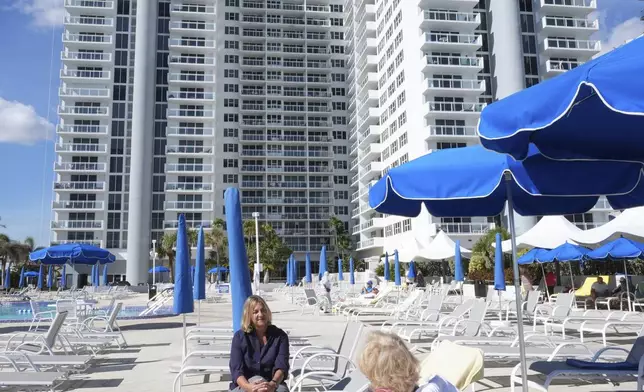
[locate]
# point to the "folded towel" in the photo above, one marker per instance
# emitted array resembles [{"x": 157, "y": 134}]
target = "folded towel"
[{"x": 601, "y": 365}]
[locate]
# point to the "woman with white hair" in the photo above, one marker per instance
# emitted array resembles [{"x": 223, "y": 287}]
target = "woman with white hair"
[{"x": 325, "y": 282}]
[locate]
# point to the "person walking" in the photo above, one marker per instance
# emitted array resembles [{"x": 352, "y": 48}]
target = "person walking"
[{"x": 325, "y": 282}]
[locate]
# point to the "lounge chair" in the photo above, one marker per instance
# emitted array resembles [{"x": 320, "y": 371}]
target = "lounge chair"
[
  {"x": 60, "y": 363},
  {"x": 39, "y": 315},
  {"x": 632, "y": 366},
  {"x": 352, "y": 382},
  {"x": 309, "y": 302},
  {"x": 546, "y": 313},
  {"x": 392, "y": 310},
  {"x": 104, "y": 327},
  {"x": 32, "y": 380}
]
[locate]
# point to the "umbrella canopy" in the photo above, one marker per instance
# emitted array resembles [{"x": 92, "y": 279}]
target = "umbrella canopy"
[
  {"x": 396, "y": 269},
  {"x": 442, "y": 248},
  {"x": 239, "y": 272},
  {"x": 621, "y": 248},
  {"x": 307, "y": 272},
  {"x": 183, "y": 302},
  {"x": 199, "y": 287},
  {"x": 459, "y": 276},
  {"x": 563, "y": 253},
  {"x": 74, "y": 253},
  {"x": 629, "y": 223},
  {"x": 352, "y": 277},
  {"x": 411, "y": 274},
  {"x": 31, "y": 274},
  {"x": 499, "y": 274},
  {"x": 594, "y": 111},
  {"x": 340, "y": 274},
  {"x": 7, "y": 277},
  {"x": 63, "y": 277},
  {"x": 387, "y": 273},
  {"x": 532, "y": 256},
  {"x": 40, "y": 282},
  {"x": 322, "y": 261},
  {"x": 104, "y": 276},
  {"x": 215, "y": 270},
  {"x": 479, "y": 189},
  {"x": 548, "y": 233},
  {"x": 158, "y": 269},
  {"x": 21, "y": 283},
  {"x": 50, "y": 277}
]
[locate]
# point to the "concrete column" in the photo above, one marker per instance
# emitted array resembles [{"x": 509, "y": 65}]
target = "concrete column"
[
  {"x": 506, "y": 61},
  {"x": 140, "y": 197}
]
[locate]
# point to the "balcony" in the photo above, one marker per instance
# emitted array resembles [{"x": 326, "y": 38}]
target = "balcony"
[
  {"x": 568, "y": 7},
  {"x": 564, "y": 47},
  {"x": 88, "y": 23},
  {"x": 253, "y": 168},
  {"x": 84, "y": 93},
  {"x": 88, "y": 112},
  {"x": 74, "y": 75},
  {"x": 190, "y": 79},
  {"x": 190, "y": 224},
  {"x": 448, "y": 4},
  {"x": 374, "y": 150},
  {"x": 81, "y": 148},
  {"x": 86, "y": 242},
  {"x": 459, "y": 65},
  {"x": 193, "y": 28},
  {"x": 465, "y": 228},
  {"x": 83, "y": 130},
  {"x": 454, "y": 87},
  {"x": 196, "y": 168},
  {"x": 557, "y": 67},
  {"x": 64, "y": 205},
  {"x": 562, "y": 27},
  {"x": 191, "y": 96},
  {"x": 86, "y": 58},
  {"x": 373, "y": 223},
  {"x": 450, "y": 20},
  {"x": 377, "y": 242},
  {"x": 192, "y": 45},
  {"x": 87, "y": 40},
  {"x": 190, "y": 114},
  {"x": 80, "y": 167},
  {"x": 189, "y": 150},
  {"x": 253, "y": 184},
  {"x": 452, "y": 132},
  {"x": 188, "y": 206},
  {"x": 189, "y": 187},
  {"x": 77, "y": 225},
  {"x": 455, "y": 110},
  {"x": 371, "y": 171},
  {"x": 98, "y": 7},
  {"x": 86, "y": 186},
  {"x": 190, "y": 11},
  {"x": 190, "y": 132},
  {"x": 189, "y": 62},
  {"x": 253, "y": 200},
  {"x": 454, "y": 42}
]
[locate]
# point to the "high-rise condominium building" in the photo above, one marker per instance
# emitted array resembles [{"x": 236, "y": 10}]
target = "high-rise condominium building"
[
  {"x": 421, "y": 71},
  {"x": 233, "y": 93}
]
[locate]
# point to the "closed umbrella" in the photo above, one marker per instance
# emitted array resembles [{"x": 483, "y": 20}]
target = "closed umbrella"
[
  {"x": 183, "y": 302},
  {"x": 459, "y": 276},
  {"x": 322, "y": 262},
  {"x": 21, "y": 283},
  {"x": 239, "y": 272},
  {"x": 289, "y": 271},
  {"x": 411, "y": 274},
  {"x": 340, "y": 275},
  {"x": 307, "y": 272},
  {"x": 387, "y": 273},
  {"x": 104, "y": 276},
  {"x": 63, "y": 277},
  {"x": 40, "y": 282},
  {"x": 499, "y": 273},
  {"x": 295, "y": 274},
  {"x": 50, "y": 277},
  {"x": 7, "y": 277},
  {"x": 594, "y": 111},
  {"x": 199, "y": 286},
  {"x": 396, "y": 268},
  {"x": 352, "y": 277}
]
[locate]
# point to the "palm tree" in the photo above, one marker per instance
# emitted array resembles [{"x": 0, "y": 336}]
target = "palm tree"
[
  {"x": 165, "y": 249},
  {"x": 342, "y": 240},
  {"x": 218, "y": 240},
  {"x": 248, "y": 229}
]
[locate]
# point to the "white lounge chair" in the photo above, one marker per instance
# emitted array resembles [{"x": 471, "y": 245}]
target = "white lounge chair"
[{"x": 39, "y": 315}]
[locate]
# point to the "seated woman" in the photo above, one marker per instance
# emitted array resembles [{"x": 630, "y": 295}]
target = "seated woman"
[
  {"x": 390, "y": 367},
  {"x": 259, "y": 353},
  {"x": 369, "y": 289}
]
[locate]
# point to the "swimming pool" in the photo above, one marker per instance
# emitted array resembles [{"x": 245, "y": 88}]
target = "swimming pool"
[{"x": 17, "y": 312}]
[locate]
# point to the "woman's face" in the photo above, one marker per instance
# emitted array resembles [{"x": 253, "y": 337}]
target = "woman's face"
[{"x": 260, "y": 316}]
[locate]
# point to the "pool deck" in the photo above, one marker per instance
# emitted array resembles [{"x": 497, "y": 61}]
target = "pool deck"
[{"x": 155, "y": 345}]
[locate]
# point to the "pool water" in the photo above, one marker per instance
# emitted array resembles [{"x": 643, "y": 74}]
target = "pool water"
[{"x": 21, "y": 311}]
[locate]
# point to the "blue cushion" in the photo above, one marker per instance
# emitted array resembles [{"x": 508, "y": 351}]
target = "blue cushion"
[{"x": 601, "y": 365}]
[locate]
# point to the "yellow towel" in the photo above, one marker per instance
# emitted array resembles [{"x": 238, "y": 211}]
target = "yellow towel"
[
  {"x": 460, "y": 365},
  {"x": 584, "y": 290}
]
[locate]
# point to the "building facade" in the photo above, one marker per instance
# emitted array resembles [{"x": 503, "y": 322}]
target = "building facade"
[{"x": 420, "y": 74}]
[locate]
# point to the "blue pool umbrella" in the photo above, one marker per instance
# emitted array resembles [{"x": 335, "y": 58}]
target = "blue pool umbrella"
[
  {"x": 74, "y": 253},
  {"x": 459, "y": 276},
  {"x": 215, "y": 270},
  {"x": 532, "y": 256},
  {"x": 563, "y": 253},
  {"x": 499, "y": 274},
  {"x": 199, "y": 284},
  {"x": 7, "y": 277},
  {"x": 340, "y": 273},
  {"x": 104, "y": 276},
  {"x": 97, "y": 275},
  {"x": 411, "y": 274},
  {"x": 183, "y": 302},
  {"x": 396, "y": 268},
  {"x": 289, "y": 271},
  {"x": 63, "y": 277},
  {"x": 352, "y": 277},
  {"x": 387, "y": 273},
  {"x": 21, "y": 283},
  {"x": 296, "y": 276},
  {"x": 322, "y": 261},
  {"x": 50, "y": 277},
  {"x": 31, "y": 274},
  {"x": 40, "y": 282},
  {"x": 158, "y": 269},
  {"x": 239, "y": 273},
  {"x": 594, "y": 111},
  {"x": 307, "y": 272}
]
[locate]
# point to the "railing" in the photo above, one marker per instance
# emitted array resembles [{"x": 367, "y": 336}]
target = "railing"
[
  {"x": 370, "y": 242},
  {"x": 572, "y": 3},
  {"x": 190, "y": 113},
  {"x": 459, "y": 61},
  {"x": 253, "y": 184},
  {"x": 253, "y": 168},
  {"x": 452, "y": 16},
  {"x": 191, "y": 224},
  {"x": 80, "y": 166},
  {"x": 75, "y": 73},
  {"x": 78, "y": 205},
  {"x": 192, "y": 25},
  {"x": 188, "y": 77},
  {"x": 190, "y": 131},
  {"x": 89, "y": 56},
  {"x": 198, "y": 95},
  {"x": 90, "y": 3},
  {"x": 76, "y": 224},
  {"x": 464, "y": 84},
  {"x": 466, "y": 228},
  {"x": 445, "y": 38},
  {"x": 94, "y": 129},
  {"x": 80, "y": 147},
  {"x": 188, "y": 205},
  {"x": 87, "y": 242},
  {"x": 189, "y": 186},
  {"x": 92, "y": 38},
  {"x": 556, "y": 21},
  {"x": 89, "y": 20},
  {"x": 79, "y": 186},
  {"x": 88, "y": 110},
  {"x": 188, "y": 150},
  {"x": 465, "y": 107},
  {"x": 188, "y": 60},
  {"x": 253, "y": 200},
  {"x": 192, "y": 43},
  {"x": 562, "y": 65},
  {"x": 441, "y": 130},
  {"x": 188, "y": 167},
  {"x": 194, "y": 8},
  {"x": 84, "y": 92},
  {"x": 565, "y": 43}
]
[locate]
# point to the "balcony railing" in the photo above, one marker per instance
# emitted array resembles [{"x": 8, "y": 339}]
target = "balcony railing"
[
  {"x": 88, "y": 38},
  {"x": 189, "y": 186},
  {"x": 370, "y": 242},
  {"x": 180, "y": 77},
  {"x": 77, "y": 205},
  {"x": 79, "y": 186},
  {"x": 572, "y": 3},
  {"x": 556, "y": 21},
  {"x": 77, "y": 224},
  {"x": 80, "y": 166},
  {"x": 80, "y": 147},
  {"x": 192, "y": 8},
  {"x": 572, "y": 44},
  {"x": 84, "y": 92},
  {"x": 443, "y": 38},
  {"x": 188, "y": 60},
  {"x": 189, "y": 205},
  {"x": 462, "y": 107},
  {"x": 86, "y": 56},
  {"x": 87, "y": 242},
  {"x": 461, "y": 84},
  {"x": 192, "y": 43},
  {"x": 441, "y": 130},
  {"x": 196, "y": 95},
  {"x": 89, "y": 21},
  {"x": 75, "y": 73},
  {"x": 188, "y": 150},
  {"x": 191, "y": 224},
  {"x": 190, "y": 131},
  {"x": 466, "y": 228},
  {"x": 188, "y": 167},
  {"x": 452, "y": 16},
  {"x": 84, "y": 110},
  {"x": 90, "y": 3},
  {"x": 192, "y": 25},
  {"x": 190, "y": 113},
  {"x": 91, "y": 129}
]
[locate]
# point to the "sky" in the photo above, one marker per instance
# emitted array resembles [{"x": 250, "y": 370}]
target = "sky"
[{"x": 29, "y": 68}]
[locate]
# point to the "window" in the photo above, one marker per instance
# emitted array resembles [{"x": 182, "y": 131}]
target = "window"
[
  {"x": 231, "y": 103},
  {"x": 231, "y": 45},
  {"x": 231, "y": 73},
  {"x": 341, "y": 180},
  {"x": 231, "y": 59},
  {"x": 406, "y": 225},
  {"x": 230, "y": 147},
  {"x": 231, "y": 88},
  {"x": 231, "y": 132},
  {"x": 231, "y": 163},
  {"x": 231, "y": 117},
  {"x": 231, "y": 16},
  {"x": 341, "y": 195},
  {"x": 231, "y": 30},
  {"x": 230, "y": 178}
]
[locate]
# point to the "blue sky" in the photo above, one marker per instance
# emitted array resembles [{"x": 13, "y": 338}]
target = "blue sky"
[{"x": 28, "y": 99}]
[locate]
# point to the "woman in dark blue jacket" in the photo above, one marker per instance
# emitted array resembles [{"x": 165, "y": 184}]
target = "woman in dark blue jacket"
[{"x": 259, "y": 355}]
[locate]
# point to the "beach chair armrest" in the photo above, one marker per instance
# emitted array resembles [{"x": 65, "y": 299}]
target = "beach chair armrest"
[
  {"x": 547, "y": 308},
  {"x": 599, "y": 353},
  {"x": 308, "y": 361},
  {"x": 466, "y": 322},
  {"x": 445, "y": 321},
  {"x": 299, "y": 353}
]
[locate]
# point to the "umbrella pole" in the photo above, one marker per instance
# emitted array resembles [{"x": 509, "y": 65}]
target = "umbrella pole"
[
  {"x": 543, "y": 272},
  {"x": 517, "y": 286},
  {"x": 628, "y": 291},
  {"x": 199, "y": 313},
  {"x": 500, "y": 311},
  {"x": 572, "y": 284},
  {"x": 183, "y": 339}
]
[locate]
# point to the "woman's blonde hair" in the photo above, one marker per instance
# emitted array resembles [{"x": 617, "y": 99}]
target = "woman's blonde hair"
[
  {"x": 388, "y": 364},
  {"x": 247, "y": 316}
]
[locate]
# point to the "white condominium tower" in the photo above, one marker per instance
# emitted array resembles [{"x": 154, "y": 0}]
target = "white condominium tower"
[
  {"x": 421, "y": 71},
  {"x": 162, "y": 109}
]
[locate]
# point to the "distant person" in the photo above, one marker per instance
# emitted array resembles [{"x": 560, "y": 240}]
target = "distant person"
[
  {"x": 259, "y": 353},
  {"x": 325, "y": 282},
  {"x": 526, "y": 283},
  {"x": 551, "y": 282},
  {"x": 420, "y": 279},
  {"x": 369, "y": 289},
  {"x": 621, "y": 287}
]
